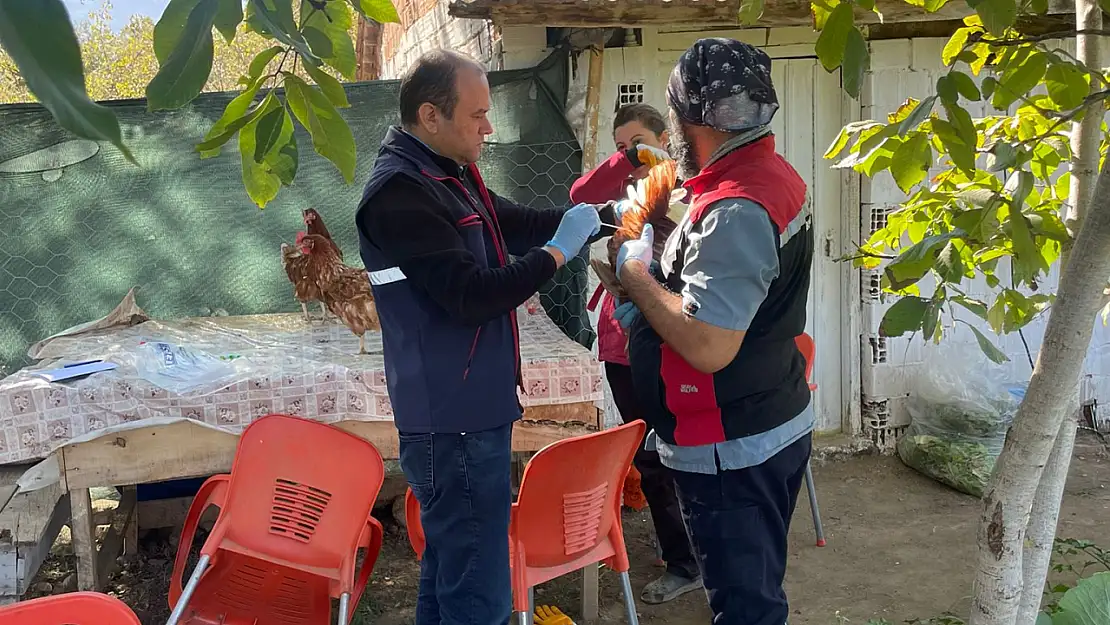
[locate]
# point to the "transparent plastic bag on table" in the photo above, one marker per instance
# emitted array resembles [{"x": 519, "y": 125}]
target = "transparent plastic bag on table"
[
  {"x": 961, "y": 405},
  {"x": 179, "y": 369}
]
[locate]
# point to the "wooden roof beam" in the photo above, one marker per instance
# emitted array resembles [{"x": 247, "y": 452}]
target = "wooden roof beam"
[{"x": 687, "y": 13}]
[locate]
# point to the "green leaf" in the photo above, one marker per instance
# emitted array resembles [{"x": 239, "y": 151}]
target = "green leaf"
[
  {"x": 833, "y": 40},
  {"x": 1086, "y": 604},
  {"x": 750, "y": 11},
  {"x": 1019, "y": 78},
  {"x": 961, "y": 121},
  {"x": 234, "y": 111},
  {"x": 997, "y": 15},
  {"x": 917, "y": 115},
  {"x": 211, "y": 145},
  {"x": 329, "y": 85},
  {"x": 988, "y": 348},
  {"x": 996, "y": 316},
  {"x": 976, "y": 307},
  {"x": 838, "y": 144},
  {"x": 319, "y": 42},
  {"x": 1048, "y": 225},
  {"x": 262, "y": 185},
  {"x": 947, "y": 90},
  {"x": 1044, "y": 619},
  {"x": 40, "y": 39},
  {"x": 950, "y": 264},
  {"x": 989, "y": 85},
  {"x": 904, "y": 316},
  {"x": 1025, "y": 247},
  {"x": 275, "y": 19},
  {"x": 911, "y": 161},
  {"x": 228, "y": 18},
  {"x": 965, "y": 85},
  {"x": 962, "y": 155},
  {"x": 1005, "y": 156},
  {"x": 955, "y": 45},
  {"x": 168, "y": 30},
  {"x": 331, "y": 136},
  {"x": 334, "y": 21},
  {"x": 913, "y": 263},
  {"x": 856, "y": 60},
  {"x": 184, "y": 74},
  {"x": 383, "y": 11},
  {"x": 262, "y": 60},
  {"x": 267, "y": 132},
  {"x": 1067, "y": 85},
  {"x": 931, "y": 320},
  {"x": 283, "y": 163},
  {"x": 1019, "y": 185},
  {"x": 932, "y": 6}
]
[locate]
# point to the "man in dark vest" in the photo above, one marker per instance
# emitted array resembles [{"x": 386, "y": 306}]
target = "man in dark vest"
[
  {"x": 436, "y": 244},
  {"x": 713, "y": 325}
]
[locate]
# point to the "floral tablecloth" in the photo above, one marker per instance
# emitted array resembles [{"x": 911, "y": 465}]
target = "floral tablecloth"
[{"x": 267, "y": 363}]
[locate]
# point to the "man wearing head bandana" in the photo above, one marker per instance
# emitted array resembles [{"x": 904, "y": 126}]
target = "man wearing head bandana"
[{"x": 711, "y": 339}]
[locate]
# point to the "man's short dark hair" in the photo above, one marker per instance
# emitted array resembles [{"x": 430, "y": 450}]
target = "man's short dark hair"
[
  {"x": 643, "y": 113},
  {"x": 432, "y": 79}
]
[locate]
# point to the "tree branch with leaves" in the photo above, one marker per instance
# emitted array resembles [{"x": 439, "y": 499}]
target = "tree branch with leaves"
[{"x": 288, "y": 84}]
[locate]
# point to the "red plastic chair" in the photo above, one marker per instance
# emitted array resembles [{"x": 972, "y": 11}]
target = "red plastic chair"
[
  {"x": 412, "y": 524},
  {"x": 808, "y": 348},
  {"x": 294, "y": 512},
  {"x": 567, "y": 515},
  {"x": 77, "y": 608}
]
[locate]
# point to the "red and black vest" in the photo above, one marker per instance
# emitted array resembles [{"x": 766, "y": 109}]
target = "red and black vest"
[{"x": 765, "y": 385}]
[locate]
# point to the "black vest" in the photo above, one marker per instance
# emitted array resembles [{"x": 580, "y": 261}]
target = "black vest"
[{"x": 765, "y": 384}]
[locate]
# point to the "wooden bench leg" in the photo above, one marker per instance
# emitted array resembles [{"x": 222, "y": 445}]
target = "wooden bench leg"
[
  {"x": 84, "y": 539},
  {"x": 131, "y": 535},
  {"x": 590, "y": 592}
]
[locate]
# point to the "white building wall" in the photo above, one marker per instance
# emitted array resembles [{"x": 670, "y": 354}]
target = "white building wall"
[{"x": 901, "y": 69}]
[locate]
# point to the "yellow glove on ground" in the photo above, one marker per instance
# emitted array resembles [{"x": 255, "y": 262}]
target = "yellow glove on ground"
[{"x": 550, "y": 615}]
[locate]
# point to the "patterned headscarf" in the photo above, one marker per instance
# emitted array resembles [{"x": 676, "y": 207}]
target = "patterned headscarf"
[{"x": 724, "y": 84}]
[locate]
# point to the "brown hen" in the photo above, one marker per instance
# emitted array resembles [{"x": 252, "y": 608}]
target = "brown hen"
[
  {"x": 314, "y": 223},
  {"x": 344, "y": 290},
  {"x": 304, "y": 288}
]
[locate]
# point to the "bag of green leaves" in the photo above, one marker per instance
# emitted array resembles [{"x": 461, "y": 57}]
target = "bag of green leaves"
[{"x": 960, "y": 406}]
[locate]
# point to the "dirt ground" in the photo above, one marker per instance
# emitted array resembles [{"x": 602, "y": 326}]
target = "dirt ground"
[{"x": 899, "y": 547}]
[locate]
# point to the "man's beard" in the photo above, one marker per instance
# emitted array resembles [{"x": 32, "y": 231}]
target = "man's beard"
[{"x": 683, "y": 153}]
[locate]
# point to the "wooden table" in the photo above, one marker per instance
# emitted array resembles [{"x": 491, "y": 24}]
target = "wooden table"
[{"x": 185, "y": 449}]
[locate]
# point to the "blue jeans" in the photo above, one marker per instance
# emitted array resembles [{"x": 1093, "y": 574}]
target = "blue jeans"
[
  {"x": 463, "y": 484},
  {"x": 738, "y": 522}
]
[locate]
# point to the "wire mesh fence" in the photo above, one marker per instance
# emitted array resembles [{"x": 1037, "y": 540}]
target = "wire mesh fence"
[{"x": 82, "y": 226}]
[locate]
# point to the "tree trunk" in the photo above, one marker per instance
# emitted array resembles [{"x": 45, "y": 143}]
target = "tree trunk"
[
  {"x": 1009, "y": 496},
  {"x": 1085, "y": 139},
  {"x": 1041, "y": 533}
]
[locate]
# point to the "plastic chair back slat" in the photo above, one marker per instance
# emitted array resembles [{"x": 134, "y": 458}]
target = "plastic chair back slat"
[{"x": 77, "y": 608}]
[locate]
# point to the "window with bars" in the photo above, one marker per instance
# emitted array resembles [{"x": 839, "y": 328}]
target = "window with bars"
[{"x": 629, "y": 93}]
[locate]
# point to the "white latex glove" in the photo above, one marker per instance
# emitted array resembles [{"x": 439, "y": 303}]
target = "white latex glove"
[{"x": 639, "y": 250}]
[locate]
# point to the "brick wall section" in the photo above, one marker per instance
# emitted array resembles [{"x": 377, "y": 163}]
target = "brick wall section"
[{"x": 425, "y": 25}]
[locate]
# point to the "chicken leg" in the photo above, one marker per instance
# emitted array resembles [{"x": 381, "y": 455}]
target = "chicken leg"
[
  {"x": 362, "y": 344},
  {"x": 304, "y": 309},
  {"x": 324, "y": 310}
]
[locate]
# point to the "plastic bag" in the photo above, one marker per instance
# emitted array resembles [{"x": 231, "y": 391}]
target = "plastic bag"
[
  {"x": 960, "y": 407},
  {"x": 179, "y": 369}
]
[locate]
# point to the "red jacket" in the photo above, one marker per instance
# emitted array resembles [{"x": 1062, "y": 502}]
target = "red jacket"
[{"x": 603, "y": 183}]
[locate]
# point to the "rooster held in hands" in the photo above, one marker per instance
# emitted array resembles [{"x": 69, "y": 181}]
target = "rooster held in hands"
[
  {"x": 649, "y": 202},
  {"x": 344, "y": 290}
]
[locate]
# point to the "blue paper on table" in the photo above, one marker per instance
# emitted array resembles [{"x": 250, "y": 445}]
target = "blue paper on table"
[{"x": 75, "y": 370}]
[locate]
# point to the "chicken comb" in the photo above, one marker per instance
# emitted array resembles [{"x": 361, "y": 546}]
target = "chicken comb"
[{"x": 300, "y": 237}]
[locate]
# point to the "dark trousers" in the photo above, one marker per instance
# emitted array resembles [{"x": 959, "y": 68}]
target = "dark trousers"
[
  {"x": 463, "y": 484},
  {"x": 655, "y": 481},
  {"x": 738, "y": 523}
]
